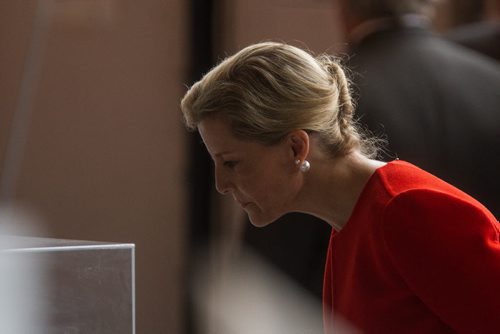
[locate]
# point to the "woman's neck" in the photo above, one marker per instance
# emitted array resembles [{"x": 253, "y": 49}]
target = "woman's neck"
[{"x": 332, "y": 187}]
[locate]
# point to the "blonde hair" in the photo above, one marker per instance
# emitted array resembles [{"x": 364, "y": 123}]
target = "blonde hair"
[{"x": 268, "y": 89}]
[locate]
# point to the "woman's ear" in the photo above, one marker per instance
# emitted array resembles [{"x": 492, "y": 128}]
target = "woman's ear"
[{"x": 299, "y": 140}]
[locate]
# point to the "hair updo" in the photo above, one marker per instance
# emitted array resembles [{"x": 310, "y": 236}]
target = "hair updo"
[{"x": 268, "y": 89}]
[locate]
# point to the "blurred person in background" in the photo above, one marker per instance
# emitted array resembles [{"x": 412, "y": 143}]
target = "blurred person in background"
[
  {"x": 477, "y": 26},
  {"x": 438, "y": 103},
  {"x": 408, "y": 251}
]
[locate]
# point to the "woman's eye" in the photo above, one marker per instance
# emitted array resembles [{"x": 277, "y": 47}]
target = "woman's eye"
[{"x": 230, "y": 164}]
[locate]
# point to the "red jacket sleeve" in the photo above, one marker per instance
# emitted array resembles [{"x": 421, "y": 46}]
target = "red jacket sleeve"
[{"x": 447, "y": 250}]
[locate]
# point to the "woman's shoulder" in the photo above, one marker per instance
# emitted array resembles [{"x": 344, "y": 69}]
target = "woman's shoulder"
[
  {"x": 437, "y": 209},
  {"x": 414, "y": 192},
  {"x": 400, "y": 177},
  {"x": 429, "y": 219}
]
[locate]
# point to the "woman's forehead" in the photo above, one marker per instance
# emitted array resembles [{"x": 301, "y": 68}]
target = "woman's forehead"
[
  {"x": 217, "y": 136},
  {"x": 219, "y": 139}
]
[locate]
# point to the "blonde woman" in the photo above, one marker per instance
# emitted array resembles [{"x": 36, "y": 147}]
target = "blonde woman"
[{"x": 409, "y": 253}]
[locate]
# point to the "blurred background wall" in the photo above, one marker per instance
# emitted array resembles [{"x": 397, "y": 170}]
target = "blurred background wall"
[
  {"x": 106, "y": 156},
  {"x": 105, "y": 148}
]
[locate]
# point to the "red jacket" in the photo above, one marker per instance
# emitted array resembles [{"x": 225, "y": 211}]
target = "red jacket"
[{"x": 416, "y": 256}]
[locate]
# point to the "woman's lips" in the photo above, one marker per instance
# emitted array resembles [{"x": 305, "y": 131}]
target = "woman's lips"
[{"x": 242, "y": 204}]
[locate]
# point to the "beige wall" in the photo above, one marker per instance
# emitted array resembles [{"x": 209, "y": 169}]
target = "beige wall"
[
  {"x": 306, "y": 23},
  {"x": 105, "y": 154}
]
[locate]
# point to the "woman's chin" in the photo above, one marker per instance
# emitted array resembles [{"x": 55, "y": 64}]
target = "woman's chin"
[{"x": 259, "y": 221}]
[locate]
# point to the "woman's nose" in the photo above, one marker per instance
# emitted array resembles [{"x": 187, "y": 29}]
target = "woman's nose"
[{"x": 222, "y": 183}]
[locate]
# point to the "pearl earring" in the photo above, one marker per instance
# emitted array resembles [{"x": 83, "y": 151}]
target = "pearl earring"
[{"x": 305, "y": 166}]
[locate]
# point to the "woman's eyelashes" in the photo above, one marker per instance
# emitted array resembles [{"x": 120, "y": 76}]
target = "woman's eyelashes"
[{"x": 230, "y": 164}]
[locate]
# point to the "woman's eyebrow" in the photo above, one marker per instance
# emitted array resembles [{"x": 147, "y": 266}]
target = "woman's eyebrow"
[{"x": 219, "y": 154}]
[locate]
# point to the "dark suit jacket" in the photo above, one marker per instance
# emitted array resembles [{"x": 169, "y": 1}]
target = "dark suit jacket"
[
  {"x": 437, "y": 102},
  {"x": 483, "y": 37}
]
